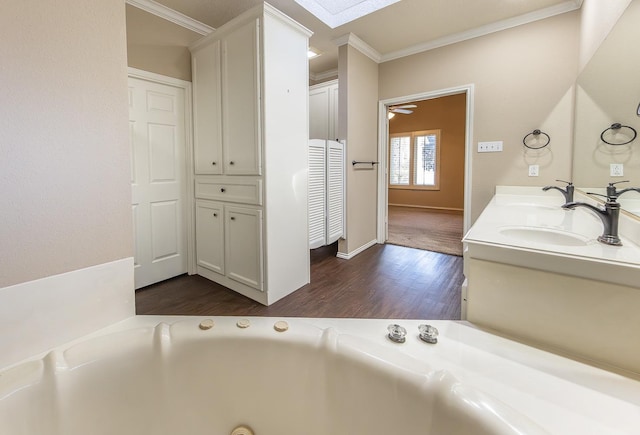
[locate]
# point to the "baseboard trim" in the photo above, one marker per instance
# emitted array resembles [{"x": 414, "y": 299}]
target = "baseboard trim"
[
  {"x": 428, "y": 207},
  {"x": 350, "y": 255},
  {"x": 48, "y": 312}
]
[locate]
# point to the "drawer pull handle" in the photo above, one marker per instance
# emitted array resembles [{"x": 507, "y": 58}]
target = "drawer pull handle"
[
  {"x": 233, "y": 218},
  {"x": 222, "y": 189}
]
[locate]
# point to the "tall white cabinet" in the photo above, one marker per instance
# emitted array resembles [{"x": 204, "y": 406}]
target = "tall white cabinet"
[
  {"x": 323, "y": 110},
  {"x": 250, "y": 85}
]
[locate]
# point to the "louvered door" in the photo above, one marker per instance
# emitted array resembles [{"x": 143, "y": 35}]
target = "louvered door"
[
  {"x": 317, "y": 193},
  {"x": 335, "y": 191}
]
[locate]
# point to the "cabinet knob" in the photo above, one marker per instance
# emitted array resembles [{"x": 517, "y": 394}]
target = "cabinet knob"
[
  {"x": 213, "y": 163},
  {"x": 215, "y": 215},
  {"x": 231, "y": 163},
  {"x": 222, "y": 189},
  {"x": 233, "y": 218}
]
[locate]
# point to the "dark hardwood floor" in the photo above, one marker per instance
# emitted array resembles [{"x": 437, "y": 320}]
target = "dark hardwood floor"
[{"x": 385, "y": 281}]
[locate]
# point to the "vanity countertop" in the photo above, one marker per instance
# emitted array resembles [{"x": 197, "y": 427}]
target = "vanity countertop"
[{"x": 527, "y": 227}]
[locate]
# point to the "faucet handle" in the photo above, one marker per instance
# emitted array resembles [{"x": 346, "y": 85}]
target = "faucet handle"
[
  {"x": 569, "y": 183},
  {"x": 612, "y": 193},
  {"x": 611, "y": 197},
  {"x": 618, "y": 182}
]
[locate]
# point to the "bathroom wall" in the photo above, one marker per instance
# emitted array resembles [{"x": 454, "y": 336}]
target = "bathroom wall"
[
  {"x": 66, "y": 266},
  {"x": 597, "y": 19},
  {"x": 65, "y": 167},
  {"x": 448, "y": 115},
  {"x": 157, "y": 45},
  {"x": 523, "y": 80},
  {"x": 358, "y": 120}
]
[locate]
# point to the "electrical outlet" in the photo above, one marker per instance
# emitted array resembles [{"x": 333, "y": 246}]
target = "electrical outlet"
[
  {"x": 490, "y": 147},
  {"x": 616, "y": 170},
  {"x": 534, "y": 170}
]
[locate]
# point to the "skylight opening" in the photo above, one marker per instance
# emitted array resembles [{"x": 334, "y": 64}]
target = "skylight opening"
[{"x": 335, "y": 13}]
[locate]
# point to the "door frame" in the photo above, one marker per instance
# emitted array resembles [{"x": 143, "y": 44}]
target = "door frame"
[
  {"x": 189, "y": 202},
  {"x": 383, "y": 152}
]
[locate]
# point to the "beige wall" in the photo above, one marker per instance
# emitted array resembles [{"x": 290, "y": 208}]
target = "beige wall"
[
  {"x": 358, "y": 120},
  {"x": 608, "y": 92},
  {"x": 448, "y": 115},
  {"x": 65, "y": 167},
  {"x": 523, "y": 79},
  {"x": 157, "y": 45},
  {"x": 597, "y": 18}
]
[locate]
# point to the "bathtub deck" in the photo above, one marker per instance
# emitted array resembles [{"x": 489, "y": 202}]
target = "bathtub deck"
[{"x": 559, "y": 395}]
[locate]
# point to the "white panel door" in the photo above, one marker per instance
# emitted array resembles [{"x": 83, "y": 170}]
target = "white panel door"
[{"x": 158, "y": 187}]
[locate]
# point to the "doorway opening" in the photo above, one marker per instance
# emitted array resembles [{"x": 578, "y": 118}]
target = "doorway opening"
[{"x": 424, "y": 179}]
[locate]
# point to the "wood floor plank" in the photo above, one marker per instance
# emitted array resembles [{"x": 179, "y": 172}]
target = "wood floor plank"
[{"x": 385, "y": 281}]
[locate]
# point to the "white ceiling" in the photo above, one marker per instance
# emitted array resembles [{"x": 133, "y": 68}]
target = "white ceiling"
[{"x": 402, "y": 28}]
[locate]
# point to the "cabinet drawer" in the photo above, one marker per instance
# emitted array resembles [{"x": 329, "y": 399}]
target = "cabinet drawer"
[{"x": 242, "y": 190}]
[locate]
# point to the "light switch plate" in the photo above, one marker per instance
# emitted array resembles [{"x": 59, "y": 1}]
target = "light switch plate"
[
  {"x": 534, "y": 170},
  {"x": 490, "y": 147}
]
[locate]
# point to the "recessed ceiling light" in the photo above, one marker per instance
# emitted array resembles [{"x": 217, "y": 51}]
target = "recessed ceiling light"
[
  {"x": 312, "y": 52},
  {"x": 335, "y": 13}
]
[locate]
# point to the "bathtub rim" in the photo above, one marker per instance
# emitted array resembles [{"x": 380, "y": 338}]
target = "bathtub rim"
[{"x": 460, "y": 343}]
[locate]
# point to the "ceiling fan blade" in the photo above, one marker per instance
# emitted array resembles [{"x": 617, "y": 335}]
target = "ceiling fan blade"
[
  {"x": 405, "y": 106},
  {"x": 404, "y": 111}
]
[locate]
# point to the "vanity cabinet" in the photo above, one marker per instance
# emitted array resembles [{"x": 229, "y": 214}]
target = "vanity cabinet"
[
  {"x": 251, "y": 122},
  {"x": 536, "y": 272}
]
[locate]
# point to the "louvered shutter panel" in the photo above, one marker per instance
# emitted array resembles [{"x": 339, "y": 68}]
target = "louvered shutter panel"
[
  {"x": 335, "y": 191},
  {"x": 317, "y": 193}
]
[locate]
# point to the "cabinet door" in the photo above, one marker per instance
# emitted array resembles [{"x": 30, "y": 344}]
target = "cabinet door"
[
  {"x": 243, "y": 245},
  {"x": 240, "y": 101},
  {"x": 210, "y": 235},
  {"x": 318, "y": 113},
  {"x": 207, "y": 99}
]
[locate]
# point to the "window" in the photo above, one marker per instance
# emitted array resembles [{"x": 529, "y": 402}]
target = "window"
[{"x": 414, "y": 159}]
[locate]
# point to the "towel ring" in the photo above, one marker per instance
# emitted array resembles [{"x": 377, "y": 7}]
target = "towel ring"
[
  {"x": 615, "y": 127},
  {"x": 536, "y": 133}
]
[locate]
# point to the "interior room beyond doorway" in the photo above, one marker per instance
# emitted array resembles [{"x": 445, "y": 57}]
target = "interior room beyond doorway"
[{"x": 433, "y": 145}]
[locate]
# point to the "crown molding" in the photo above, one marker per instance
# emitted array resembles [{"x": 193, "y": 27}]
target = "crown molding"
[
  {"x": 561, "y": 8},
  {"x": 323, "y": 75},
  {"x": 357, "y": 43},
  {"x": 170, "y": 15},
  {"x": 268, "y": 9}
]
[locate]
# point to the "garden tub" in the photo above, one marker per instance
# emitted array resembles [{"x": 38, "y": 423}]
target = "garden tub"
[{"x": 267, "y": 376}]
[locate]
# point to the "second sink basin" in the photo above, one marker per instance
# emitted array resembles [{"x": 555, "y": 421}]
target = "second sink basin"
[{"x": 548, "y": 236}]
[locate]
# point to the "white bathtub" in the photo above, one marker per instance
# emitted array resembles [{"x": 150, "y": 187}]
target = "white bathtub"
[{"x": 165, "y": 375}]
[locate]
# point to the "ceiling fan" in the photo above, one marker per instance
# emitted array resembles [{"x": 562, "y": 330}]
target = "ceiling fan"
[{"x": 404, "y": 109}]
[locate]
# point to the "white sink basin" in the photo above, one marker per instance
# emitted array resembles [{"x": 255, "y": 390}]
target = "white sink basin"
[
  {"x": 546, "y": 236},
  {"x": 534, "y": 205}
]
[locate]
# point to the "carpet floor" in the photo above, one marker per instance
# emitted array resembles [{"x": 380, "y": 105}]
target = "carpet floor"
[{"x": 437, "y": 231}]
